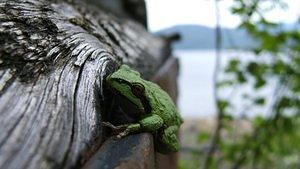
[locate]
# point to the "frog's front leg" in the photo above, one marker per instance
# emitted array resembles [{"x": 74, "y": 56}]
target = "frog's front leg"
[{"x": 149, "y": 124}]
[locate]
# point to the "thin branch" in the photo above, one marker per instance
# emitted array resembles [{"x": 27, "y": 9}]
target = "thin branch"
[{"x": 220, "y": 113}]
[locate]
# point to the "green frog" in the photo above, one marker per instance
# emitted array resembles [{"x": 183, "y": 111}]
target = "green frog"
[{"x": 158, "y": 113}]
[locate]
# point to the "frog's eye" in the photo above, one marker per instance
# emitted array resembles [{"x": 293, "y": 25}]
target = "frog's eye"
[{"x": 137, "y": 89}]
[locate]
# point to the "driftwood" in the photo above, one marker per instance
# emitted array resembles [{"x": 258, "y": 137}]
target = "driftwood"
[{"x": 54, "y": 57}]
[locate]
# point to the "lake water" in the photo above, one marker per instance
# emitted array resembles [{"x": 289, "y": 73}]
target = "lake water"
[{"x": 196, "y": 85}]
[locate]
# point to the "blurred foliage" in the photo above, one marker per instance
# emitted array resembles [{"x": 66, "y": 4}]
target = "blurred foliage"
[{"x": 274, "y": 141}]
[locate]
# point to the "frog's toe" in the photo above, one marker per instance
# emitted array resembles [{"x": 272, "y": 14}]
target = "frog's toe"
[
  {"x": 122, "y": 134},
  {"x": 132, "y": 128},
  {"x": 113, "y": 127},
  {"x": 107, "y": 124},
  {"x": 168, "y": 142}
]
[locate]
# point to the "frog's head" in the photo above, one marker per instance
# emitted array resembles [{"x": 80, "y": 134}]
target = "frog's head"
[{"x": 129, "y": 84}]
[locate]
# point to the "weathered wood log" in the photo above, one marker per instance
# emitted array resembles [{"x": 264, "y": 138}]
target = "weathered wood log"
[{"x": 54, "y": 57}]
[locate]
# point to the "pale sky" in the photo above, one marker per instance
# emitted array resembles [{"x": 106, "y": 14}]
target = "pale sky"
[{"x": 167, "y": 13}]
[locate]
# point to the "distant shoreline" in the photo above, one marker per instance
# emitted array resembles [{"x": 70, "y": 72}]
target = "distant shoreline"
[{"x": 202, "y": 37}]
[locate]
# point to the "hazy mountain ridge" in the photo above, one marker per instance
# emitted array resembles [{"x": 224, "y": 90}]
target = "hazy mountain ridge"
[{"x": 202, "y": 37}]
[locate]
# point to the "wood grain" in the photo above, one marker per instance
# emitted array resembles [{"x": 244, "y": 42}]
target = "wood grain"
[{"x": 54, "y": 57}]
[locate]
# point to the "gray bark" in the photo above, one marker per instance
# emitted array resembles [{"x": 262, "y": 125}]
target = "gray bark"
[{"x": 54, "y": 57}]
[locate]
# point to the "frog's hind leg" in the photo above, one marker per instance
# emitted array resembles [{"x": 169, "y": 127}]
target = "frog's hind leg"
[
  {"x": 168, "y": 141},
  {"x": 148, "y": 124}
]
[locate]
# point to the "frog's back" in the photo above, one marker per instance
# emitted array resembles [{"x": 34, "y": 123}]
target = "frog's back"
[{"x": 163, "y": 105}]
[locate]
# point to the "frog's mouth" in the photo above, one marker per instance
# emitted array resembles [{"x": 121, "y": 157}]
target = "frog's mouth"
[
  {"x": 146, "y": 105},
  {"x": 129, "y": 108}
]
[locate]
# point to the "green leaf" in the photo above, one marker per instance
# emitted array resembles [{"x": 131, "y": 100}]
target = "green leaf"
[
  {"x": 241, "y": 77},
  {"x": 256, "y": 69},
  {"x": 225, "y": 83},
  {"x": 284, "y": 102},
  {"x": 279, "y": 67},
  {"x": 238, "y": 10},
  {"x": 232, "y": 66},
  {"x": 223, "y": 104},
  {"x": 203, "y": 136},
  {"x": 258, "y": 121},
  {"x": 260, "y": 82},
  {"x": 259, "y": 101}
]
